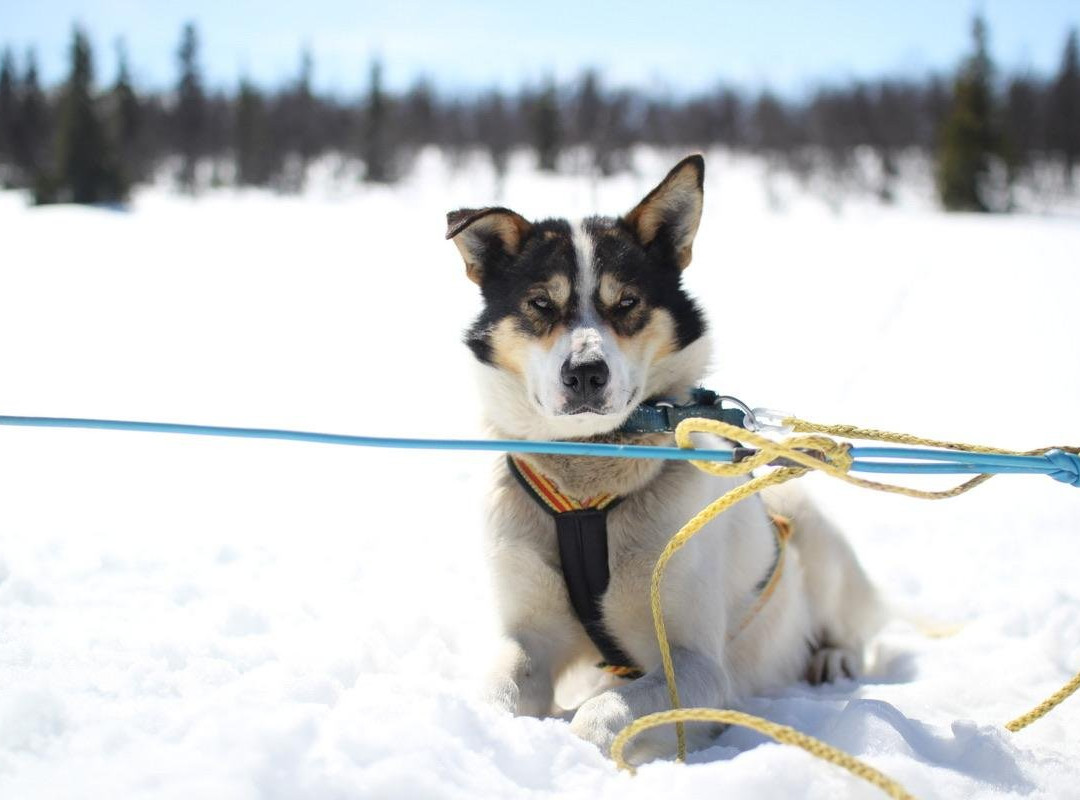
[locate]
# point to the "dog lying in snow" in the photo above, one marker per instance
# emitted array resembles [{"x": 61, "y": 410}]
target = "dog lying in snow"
[{"x": 582, "y": 322}]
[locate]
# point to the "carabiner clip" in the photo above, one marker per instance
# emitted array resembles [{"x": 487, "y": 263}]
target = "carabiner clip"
[{"x": 749, "y": 421}]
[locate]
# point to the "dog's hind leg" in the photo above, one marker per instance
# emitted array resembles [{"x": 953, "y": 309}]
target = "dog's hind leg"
[
  {"x": 828, "y": 664},
  {"x": 845, "y": 607}
]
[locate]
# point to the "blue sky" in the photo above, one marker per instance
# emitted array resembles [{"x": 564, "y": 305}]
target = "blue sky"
[{"x": 685, "y": 46}]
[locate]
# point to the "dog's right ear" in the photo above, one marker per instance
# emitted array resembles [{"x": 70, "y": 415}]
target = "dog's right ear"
[
  {"x": 671, "y": 212},
  {"x": 484, "y": 236}
]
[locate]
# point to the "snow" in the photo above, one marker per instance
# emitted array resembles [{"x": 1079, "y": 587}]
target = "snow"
[{"x": 185, "y": 617}]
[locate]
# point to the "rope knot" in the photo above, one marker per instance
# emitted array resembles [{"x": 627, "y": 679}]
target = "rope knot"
[
  {"x": 834, "y": 453},
  {"x": 1067, "y": 467}
]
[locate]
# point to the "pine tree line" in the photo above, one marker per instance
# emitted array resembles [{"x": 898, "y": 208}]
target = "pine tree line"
[{"x": 79, "y": 143}]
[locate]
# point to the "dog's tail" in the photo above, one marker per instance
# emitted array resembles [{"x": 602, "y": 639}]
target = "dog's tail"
[{"x": 928, "y": 626}]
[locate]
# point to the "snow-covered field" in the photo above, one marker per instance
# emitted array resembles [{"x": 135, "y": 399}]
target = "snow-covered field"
[{"x": 207, "y": 618}]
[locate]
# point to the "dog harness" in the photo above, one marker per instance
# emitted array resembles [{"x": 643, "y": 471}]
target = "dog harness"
[{"x": 581, "y": 531}]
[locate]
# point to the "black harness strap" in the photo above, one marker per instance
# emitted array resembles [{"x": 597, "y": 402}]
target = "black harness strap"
[{"x": 583, "y": 555}]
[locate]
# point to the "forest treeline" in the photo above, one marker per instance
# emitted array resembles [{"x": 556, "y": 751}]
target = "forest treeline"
[{"x": 88, "y": 141}]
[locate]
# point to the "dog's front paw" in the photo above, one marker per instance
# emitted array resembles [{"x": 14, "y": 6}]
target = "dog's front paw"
[
  {"x": 598, "y": 720},
  {"x": 501, "y": 693}
]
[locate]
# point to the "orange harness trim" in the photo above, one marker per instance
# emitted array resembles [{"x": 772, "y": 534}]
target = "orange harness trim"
[{"x": 558, "y": 502}]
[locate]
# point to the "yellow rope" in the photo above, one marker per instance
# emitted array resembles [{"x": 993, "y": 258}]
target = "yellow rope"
[
  {"x": 832, "y": 458},
  {"x": 1044, "y": 708},
  {"x": 781, "y": 733}
]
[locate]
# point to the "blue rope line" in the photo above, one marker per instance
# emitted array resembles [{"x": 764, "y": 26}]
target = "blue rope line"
[
  {"x": 1058, "y": 464},
  {"x": 960, "y": 456},
  {"x": 489, "y": 445}
]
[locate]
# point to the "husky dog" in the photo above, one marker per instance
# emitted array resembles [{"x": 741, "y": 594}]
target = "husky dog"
[{"x": 582, "y": 322}]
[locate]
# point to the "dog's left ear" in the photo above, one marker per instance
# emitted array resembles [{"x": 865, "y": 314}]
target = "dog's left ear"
[
  {"x": 672, "y": 210},
  {"x": 485, "y": 236}
]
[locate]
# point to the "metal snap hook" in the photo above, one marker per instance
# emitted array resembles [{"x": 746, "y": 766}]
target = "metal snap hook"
[
  {"x": 769, "y": 419},
  {"x": 750, "y": 421}
]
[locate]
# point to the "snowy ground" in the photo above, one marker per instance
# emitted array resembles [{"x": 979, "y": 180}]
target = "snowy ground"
[{"x": 185, "y": 617}]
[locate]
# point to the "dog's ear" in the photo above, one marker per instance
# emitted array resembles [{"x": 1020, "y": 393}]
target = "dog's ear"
[
  {"x": 672, "y": 210},
  {"x": 484, "y": 236}
]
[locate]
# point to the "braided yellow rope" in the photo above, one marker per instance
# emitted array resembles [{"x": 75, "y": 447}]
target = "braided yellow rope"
[
  {"x": 781, "y": 733},
  {"x": 835, "y": 460},
  {"x": 1046, "y": 706}
]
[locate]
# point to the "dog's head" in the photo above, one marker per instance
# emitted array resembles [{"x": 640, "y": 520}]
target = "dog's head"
[{"x": 583, "y": 321}]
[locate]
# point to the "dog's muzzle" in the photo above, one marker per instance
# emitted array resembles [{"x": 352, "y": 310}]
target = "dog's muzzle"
[{"x": 586, "y": 385}]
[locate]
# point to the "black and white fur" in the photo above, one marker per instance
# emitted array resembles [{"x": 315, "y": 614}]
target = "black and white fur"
[{"x": 582, "y": 321}]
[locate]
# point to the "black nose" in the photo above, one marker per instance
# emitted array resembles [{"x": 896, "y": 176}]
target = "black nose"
[{"x": 586, "y": 381}]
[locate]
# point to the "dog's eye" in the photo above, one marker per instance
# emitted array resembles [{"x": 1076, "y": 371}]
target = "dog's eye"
[
  {"x": 628, "y": 301},
  {"x": 540, "y": 303}
]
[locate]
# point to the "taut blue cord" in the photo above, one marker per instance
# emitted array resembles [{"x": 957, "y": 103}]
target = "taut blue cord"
[{"x": 1058, "y": 464}]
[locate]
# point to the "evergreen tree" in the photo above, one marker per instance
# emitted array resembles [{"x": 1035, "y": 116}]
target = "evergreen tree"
[
  {"x": 86, "y": 171},
  {"x": 773, "y": 127},
  {"x": 546, "y": 128},
  {"x": 254, "y": 165},
  {"x": 421, "y": 126},
  {"x": 899, "y": 120},
  {"x": 934, "y": 109},
  {"x": 218, "y": 134},
  {"x": 493, "y": 129},
  {"x": 305, "y": 141},
  {"x": 657, "y": 126},
  {"x": 1023, "y": 123},
  {"x": 970, "y": 138},
  {"x": 377, "y": 149},
  {"x": 1063, "y": 125},
  {"x": 613, "y": 154},
  {"x": 190, "y": 114},
  {"x": 126, "y": 119},
  {"x": 292, "y": 124},
  {"x": 729, "y": 119},
  {"x": 8, "y": 110},
  {"x": 881, "y": 137},
  {"x": 589, "y": 110},
  {"x": 598, "y": 125},
  {"x": 455, "y": 132},
  {"x": 30, "y": 145}
]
